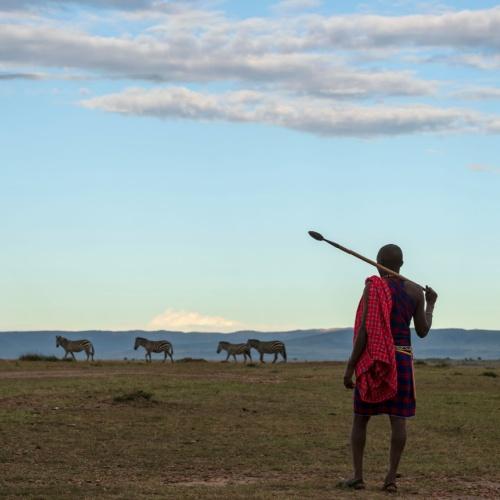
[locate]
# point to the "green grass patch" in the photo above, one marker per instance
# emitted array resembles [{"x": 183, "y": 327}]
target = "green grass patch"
[
  {"x": 442, "y": 364},
  {"x": 224, "y": 431}
]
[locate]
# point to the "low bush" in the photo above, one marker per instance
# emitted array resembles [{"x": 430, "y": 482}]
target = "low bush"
[
  {"x": 134, "y": 396},
  {"x": 191, "y": 360},
  {"x": 31, "y": 356}
]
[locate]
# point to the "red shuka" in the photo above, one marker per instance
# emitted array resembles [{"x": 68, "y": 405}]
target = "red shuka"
[{"x": 376, "y": 375}]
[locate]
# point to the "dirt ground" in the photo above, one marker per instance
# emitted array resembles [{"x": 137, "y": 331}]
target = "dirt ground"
[{"x": 220, "y": 430}]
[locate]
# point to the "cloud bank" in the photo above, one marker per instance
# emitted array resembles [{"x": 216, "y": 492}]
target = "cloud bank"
[
  {"x": 107, "y": 4},
  {"x": 305, "y": 115},
  {"x": 333, "y": 75},
  {"x": 175, "y": 61}
]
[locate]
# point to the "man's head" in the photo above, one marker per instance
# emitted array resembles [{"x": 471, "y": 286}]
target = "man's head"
[{"x": 390, "y": 256}]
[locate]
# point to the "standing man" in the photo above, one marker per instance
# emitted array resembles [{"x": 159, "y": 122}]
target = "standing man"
[{"x": 384, "y": 369}]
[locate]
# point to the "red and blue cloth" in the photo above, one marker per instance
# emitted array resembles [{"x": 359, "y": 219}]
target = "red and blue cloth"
[
  {"x": 402, "y": 307},
  {"x": 376, "y": 376}
]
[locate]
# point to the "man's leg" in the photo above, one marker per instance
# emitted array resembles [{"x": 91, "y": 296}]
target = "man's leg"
[
  {"x": 398, "y": 441},
  {"x": 358, "y": 440}
]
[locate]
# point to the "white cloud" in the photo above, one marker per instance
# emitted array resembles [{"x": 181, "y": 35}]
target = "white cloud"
[
  {"x": 305, "y": 114},
  {"x": 21, "y": 76},
  {"x": 185, "y": 25},
  {"x": 301, "y": 68},
  {"x": 174, "y": 61},
  {"x": 476, "y": 29},
  {"x": 468, "y": 28},
  {"x": 299, "y": 53},
  {"x": 479, "y": 93},
  {"x": 113, "y": 4},
  {"x": 485, "y": 62},
  {"x": 493, "y": 126},
  {"x": 16, "y": 75},
  {"x": 480, "y": 167},
  {"x": 186, "y": 321}
]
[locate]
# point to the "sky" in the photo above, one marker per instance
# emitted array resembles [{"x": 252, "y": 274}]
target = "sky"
[{"x": 162, "y": 161}]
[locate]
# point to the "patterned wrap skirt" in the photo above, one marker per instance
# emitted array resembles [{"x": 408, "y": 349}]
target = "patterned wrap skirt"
[{"x": 403, "y": 404}]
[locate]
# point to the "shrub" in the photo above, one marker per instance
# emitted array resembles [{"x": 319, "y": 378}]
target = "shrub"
[
  {"x": 31, "y": 356},
  {"x": 489, "y": 374},
  {"x": 134, "y": 396}
]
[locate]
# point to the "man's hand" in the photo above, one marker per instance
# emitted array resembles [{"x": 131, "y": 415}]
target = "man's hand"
[
  {"x": 430, "y": 295},
  {"x": 348, "y": 374}
]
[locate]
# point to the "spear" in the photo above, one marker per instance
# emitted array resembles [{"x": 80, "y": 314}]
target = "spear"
[{"x": 319, "y": 237}]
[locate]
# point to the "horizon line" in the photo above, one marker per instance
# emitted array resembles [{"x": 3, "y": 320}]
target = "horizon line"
[{"x": 322, "y": 330}]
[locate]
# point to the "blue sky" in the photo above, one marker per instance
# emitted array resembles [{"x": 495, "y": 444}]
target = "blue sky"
[{"x": 163, "y": 161}]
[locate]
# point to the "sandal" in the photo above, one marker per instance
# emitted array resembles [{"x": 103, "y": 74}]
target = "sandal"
[
  {"x": 390, "y": 487},
  {"x": 352, "y": 484}
]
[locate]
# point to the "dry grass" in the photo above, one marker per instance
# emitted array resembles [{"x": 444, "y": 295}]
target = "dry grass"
[{"x": 220, "y": 430}]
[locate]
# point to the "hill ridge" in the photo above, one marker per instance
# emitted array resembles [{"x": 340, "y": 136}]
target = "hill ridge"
[{"x": 303, "y": 345}]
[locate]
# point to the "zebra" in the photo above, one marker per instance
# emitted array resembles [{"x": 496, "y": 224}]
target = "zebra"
[
  {"x": 155, "y": 346},
  {"x": 72, "y": 346},
  {"x": 234, "y": 350},
  {"x": 272, "y": 347}
]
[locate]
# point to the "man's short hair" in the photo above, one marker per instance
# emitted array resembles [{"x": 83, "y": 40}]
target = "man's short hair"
[{"x": 390, "y": 256}]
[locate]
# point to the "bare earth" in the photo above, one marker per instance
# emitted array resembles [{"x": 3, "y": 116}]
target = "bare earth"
[{"x": 220, "y": 430}]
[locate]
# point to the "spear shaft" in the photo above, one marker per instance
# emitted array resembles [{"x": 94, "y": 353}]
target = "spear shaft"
[{"x": 319, "y": 237}]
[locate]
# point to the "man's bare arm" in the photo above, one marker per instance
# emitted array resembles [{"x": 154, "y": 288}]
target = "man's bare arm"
[{"x": 423, "y": 313}]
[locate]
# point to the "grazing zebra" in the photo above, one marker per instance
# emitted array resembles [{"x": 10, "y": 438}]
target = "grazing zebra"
[
  {"x": 72, "y": 346},
  {"x": 234, "y": 350},
  {"x": 272, "y": 347},
  {"x": 155, "y": 346}
]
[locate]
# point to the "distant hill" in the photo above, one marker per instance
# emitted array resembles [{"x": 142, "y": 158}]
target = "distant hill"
[{"x": 302, "y": 345}]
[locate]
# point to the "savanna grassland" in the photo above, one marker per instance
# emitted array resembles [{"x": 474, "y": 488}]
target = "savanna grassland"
[{"x": 220, "y": 430}]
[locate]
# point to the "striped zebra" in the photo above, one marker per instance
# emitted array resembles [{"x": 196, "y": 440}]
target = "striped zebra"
[
  {"x": 155, "y": 346},
  {"x": 72, "y": 346},
  {"x": 272, "y": 347},
  {"x": 234, "y": 350}
]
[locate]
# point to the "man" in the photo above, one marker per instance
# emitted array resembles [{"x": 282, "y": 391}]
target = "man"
[{"x": 406, "y": 302}]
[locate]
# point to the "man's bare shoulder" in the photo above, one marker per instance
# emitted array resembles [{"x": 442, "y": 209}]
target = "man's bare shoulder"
[{"x": 414, "y": 291}]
